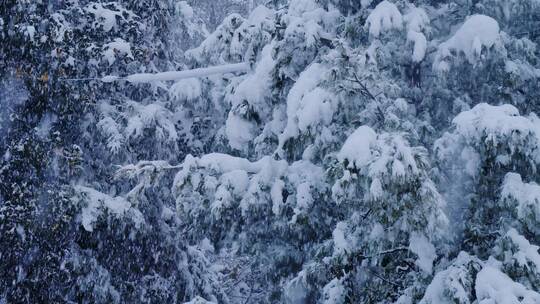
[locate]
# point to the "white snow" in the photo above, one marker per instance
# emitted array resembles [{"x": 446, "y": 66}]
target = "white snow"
[
  {"x": 450, "y": 285},
  {"x": 98, "y": 203},
  {"x": 493, "y": 121},
  {"x": 199, "y": 300},
  {"x": 296, "y": 290},
  {"x": 185, "y": 10},
  {"x": 527, "y": 255},
  {"x": 259, "y": 23},
  {"x": 118, "y": 47},
  {"x": 188, "y": 89},
  {"x": 384, "y": 17},
  {"x": 256, "y": 87},
  {"x": 316, "y": 107},
  {"x": 357, "y": 148},
  {"x": 334, "y": 292},
  {"x": 304, "y": 200},
  {"x": 422, "y": 247},
  {"x": 110, "y": 129},
  {"x": 495, "y": 287},
  {"x": 154, "y": 116},
  {"x": 106, "y": 18},
  {"x": 307, "y": 21},
  {"x": 308, "y": 81},
  {"x": 493, "y": 126},
  {"x": 212, "y": 49},
  {"x": 255, "y": 90},
  {"x": 239, "y": 131},
  {"x": 477, "y": 32},
  {"x": 276, "y": 194},
  {"x": 420, "y": 45},
  {"x": 30, "y": 32},
  {"x": 375, "y": 189},
  {"x": 527, "y": 197},
  {"x": 341, "y": 244},
  {"x": 416, "y": 19}
]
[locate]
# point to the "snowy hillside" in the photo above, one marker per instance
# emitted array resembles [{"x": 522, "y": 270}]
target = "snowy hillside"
[{"x": 280, "y": 151}]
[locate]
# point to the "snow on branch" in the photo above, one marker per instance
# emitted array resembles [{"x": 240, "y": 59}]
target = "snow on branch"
[{"x": 177, "y": 75}]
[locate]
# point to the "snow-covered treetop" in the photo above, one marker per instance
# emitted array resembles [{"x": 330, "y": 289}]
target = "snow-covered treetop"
[
  {"x": 382, "y": 162},
  {"x": 357, "y": 148},
  {"x": 386, "y": 16},
  {"x": 416, "y": 19},
  {"x": 494, "y": 122},
  {"x": 494, "y": 286},
  {"x": 365, "y": 148},
  {"x": 500, "y": 127},
  {"x": 524, "y": 198},
  {"x": 476, "y": 33}
]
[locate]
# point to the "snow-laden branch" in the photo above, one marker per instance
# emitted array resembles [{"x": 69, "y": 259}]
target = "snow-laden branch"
[{"x": 177, "y": 75}]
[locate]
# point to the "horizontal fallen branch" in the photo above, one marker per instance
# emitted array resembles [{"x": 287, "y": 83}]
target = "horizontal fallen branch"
[{"x": 177, "y": 75}]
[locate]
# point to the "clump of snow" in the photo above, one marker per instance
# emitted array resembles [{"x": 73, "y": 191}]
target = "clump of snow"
[
  {"x": 237, "y": 184},
  {"x": 187, "y": 89},
  {"x": 455, "y": 283},
  {"x": 384, "y": 17},
  {"x": 185, "y": 10},
  {"x": 341, "y": 244},
  {"x": 517, "y": 68},
  {"x": 239, "y": 131},
  {"x": 107, "y": 15},
  {"x": 307, "y": 21},
  {"x": 299, "y": 7},
  {"x": 276, "y": 194},
  {"x": 254, "y": 91},
  {"x": 98, "y": 203},
  {"x": 259, "y": 25},
  {"x": 527, "y": 255},
  {"x": 494, "y": 286},
  {"x": 416, "y": 19},
  {"x": 357, "y": 148},
  {"x": 111, "y": 130},
  {"x": 334, "y": 292},
  {"x": 422, "y": 247},
  {"x": 420, "y": 45},
  {"x": 497, "y": 127},
  {"x": 382, "y": 163},
  {"x": 381, "y": 156},
  {"x": 30, "y": 32},
  {"x": 477, "y": 32},
  {"x": 298, "y": 102},
  {"x": 316, "y": 107},
  {"x": 153, "y": 116},
  {"x": 256, "y": 87},
  {"x": 211, "y": 46},
  {"x": 494, "y": 122},
  {"x": 527, "y": 198},
  {"x": 485, "y": 119},
  {"x": 296, "y": 290},
  {"x": 199, "y": 300},
  {"x": 118, "y": 47},
  {"x": 304, "y": 176}
]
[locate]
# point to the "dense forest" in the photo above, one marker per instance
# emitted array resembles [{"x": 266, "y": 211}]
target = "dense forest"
[{"x": 270, "y": 151}]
